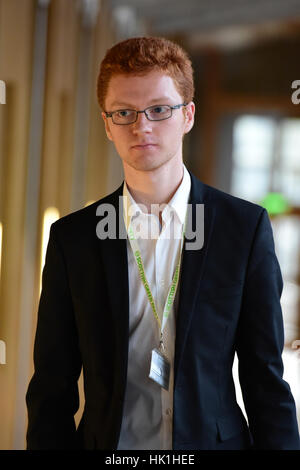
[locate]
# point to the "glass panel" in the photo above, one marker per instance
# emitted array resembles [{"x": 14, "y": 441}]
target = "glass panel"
[
  {"x": 292, "y": 375},
  {"x": 255, "y": 166},
  {"x": 289, "y": 184},
  {"x": 290, "y": 144},
  {"x": 253, "y": 141},
  {"x": 286, "y": 231},
  {"x": 251, "y": 185}
]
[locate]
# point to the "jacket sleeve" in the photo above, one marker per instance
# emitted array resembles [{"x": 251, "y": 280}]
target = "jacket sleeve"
[
  {"x": 52, "y": 397},
  {"x": 267, "y": 397}
]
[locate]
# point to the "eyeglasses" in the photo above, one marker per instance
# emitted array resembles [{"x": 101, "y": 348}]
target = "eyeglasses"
[{"x": 158, "y": 112}]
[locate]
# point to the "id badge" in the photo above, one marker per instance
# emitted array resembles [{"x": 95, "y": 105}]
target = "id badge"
[{"x": 160, "y": 369}]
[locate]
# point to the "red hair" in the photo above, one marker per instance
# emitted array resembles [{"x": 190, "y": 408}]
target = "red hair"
[{"x": 138, "y": 56}]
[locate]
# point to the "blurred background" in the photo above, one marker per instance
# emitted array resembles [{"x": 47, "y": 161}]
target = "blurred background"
[{"x": 55, "y": 159}]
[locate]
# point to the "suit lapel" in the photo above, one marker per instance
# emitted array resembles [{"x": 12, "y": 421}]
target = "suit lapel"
[
  {"x": 114, "y": 262},
  {"x": 193, "y": 263}
]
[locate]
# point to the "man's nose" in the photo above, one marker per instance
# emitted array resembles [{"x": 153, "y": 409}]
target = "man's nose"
[{"x": 142, "y": 123}]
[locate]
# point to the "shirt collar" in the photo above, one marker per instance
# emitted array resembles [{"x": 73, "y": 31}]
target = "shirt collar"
[
  {"x": 131, "y": 208},
  {"x": 180, "y": 199},
  {"x": 178, "y": 202}
]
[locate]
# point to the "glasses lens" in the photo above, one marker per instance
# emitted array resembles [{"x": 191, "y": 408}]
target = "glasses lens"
[
  {"x": 124, "y": 116},
  {"x": 157, "y": 113}
]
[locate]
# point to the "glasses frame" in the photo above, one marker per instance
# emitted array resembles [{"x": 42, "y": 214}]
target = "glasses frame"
[{"x": 111, "y": 113}]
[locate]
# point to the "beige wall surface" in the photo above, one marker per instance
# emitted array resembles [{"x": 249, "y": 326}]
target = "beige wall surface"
[
  {"x": 68, "y": 103},
  {"x": 16, "y": 35}
]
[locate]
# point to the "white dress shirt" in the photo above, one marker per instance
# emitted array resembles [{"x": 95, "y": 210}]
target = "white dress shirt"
[{"x": 148, "y": 408}]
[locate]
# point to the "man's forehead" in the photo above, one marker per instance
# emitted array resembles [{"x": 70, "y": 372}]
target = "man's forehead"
[{"x": 152, "y": 87}]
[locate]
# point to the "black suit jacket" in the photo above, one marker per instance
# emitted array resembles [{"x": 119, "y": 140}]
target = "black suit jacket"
[{"x": 229, "y": 300}]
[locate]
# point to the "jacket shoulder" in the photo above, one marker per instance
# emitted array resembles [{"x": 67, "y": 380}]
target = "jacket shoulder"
[
  {"x": 225, "y": 202},
  {"x": 84, "y": 218},
  {"x": 233, "y": 213},
  {"x": 226, "y": 199}
]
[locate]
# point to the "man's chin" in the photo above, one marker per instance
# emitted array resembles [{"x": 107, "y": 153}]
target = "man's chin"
[{"x": 146, "y": 164}]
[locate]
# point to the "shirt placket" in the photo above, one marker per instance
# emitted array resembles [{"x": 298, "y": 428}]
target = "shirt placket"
[{"x": 164, "y": 282}]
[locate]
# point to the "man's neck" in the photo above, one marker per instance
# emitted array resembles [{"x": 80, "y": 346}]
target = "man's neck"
[{"x": 154, "y": 187}]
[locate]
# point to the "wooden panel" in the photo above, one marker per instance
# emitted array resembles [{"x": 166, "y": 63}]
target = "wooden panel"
[{"x": 16, "y": 33}]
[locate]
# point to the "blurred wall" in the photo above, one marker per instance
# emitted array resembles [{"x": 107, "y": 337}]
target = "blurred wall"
[
  {"x": 16, "y": 36},
  {"x": 252, "y": 78},
  {"x": 53, "y": 153}
]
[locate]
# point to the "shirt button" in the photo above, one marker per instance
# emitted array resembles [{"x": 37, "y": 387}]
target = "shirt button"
[{"x": 168, "y": 412}]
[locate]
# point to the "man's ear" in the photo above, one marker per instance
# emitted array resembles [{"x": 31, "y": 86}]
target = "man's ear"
[
  {"x": 189, "y": 116},
  {"x": 106, "y": 124}
]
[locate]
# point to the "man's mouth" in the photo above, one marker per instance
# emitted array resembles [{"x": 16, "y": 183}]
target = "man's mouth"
[{"x": 144, "y": 145}]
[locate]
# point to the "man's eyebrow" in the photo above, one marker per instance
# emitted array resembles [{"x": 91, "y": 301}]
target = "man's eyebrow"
[
  {"x": 118, "y": 104},
  {"x": 161, "y": 100}
]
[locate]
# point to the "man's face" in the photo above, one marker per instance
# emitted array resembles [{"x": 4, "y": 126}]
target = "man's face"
[{"x": 146, "y": 145}]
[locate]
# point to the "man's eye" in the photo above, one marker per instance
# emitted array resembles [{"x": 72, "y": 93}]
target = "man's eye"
[
  {"x": 123, "y": 113},
  {"x": 158, "y": 110}
]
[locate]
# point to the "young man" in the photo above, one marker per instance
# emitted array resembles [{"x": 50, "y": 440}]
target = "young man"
[{"x": 155, "y": 325}]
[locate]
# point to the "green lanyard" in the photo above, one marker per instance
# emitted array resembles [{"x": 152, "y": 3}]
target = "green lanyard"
[{"x": 173, "y": 288}]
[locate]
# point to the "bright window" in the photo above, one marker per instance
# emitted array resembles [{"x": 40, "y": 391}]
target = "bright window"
[{"x": 266, "y": 158}]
